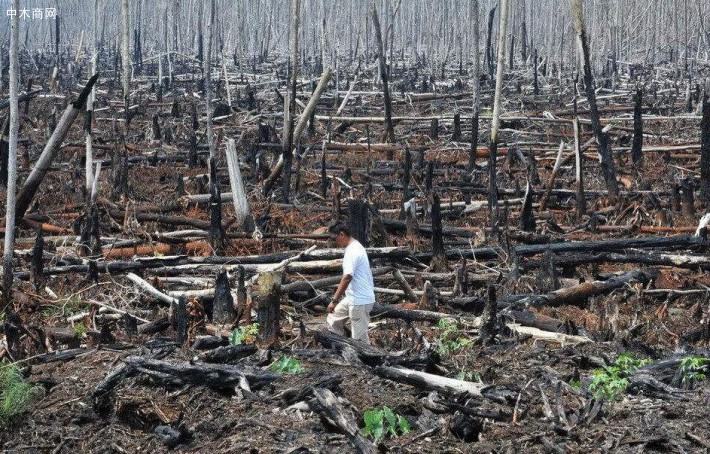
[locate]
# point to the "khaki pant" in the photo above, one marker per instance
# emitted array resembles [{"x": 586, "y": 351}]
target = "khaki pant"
[{"x": 359, "y": 316}]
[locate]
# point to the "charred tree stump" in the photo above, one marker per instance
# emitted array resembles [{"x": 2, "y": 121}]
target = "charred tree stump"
[
  {"x": 179, "y": 321},
  {"x": 527, "y": 220},
  {"x": 268, "y": 307},
  {"x": 434, "y": 129},
  {"x": 323, "y": 175},
  {"x": 359, "y": 220},
  {"x": 456, "y": 136},
  {"x": 489, "y": 319},
  {"x": 223, "y": 312},
  {"x": 536, "y": 85},
  {"x": 687, "y": 203},
  {"x": 439, "y": 262}
]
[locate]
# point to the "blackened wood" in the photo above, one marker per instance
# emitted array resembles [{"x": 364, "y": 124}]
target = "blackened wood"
[
  {"x": 156, "y": 326},
  {"x": 180, "y": 322},
  {"x": 323, "y": 176},
  {"x": 536, "y": 86},
  {"x": 527, "y": 220},
  {"x": 218, "y": 237},
  {"x": 492, "y": 185},
  {"x": 37, "y": 265},
  {"x": 434, "y": 129},
  {"x": 268, "y": 308},
  {"x": 359, "y": 220},
  {"x": 489, "y": 49},
  {"x": 384, "y": 75},
  {"x": 637, "y": 144},
  {"x": 223, "y": 303},
  {"x": 228, "y": 354},
  {"x": 687, "y": 203},
  {"x": 439, "y": 262},
  {"x": 333, "y": 412},
  {"x": 51, "y": 149},
  {"x": 489, "y": 320},
  {"x": 130, "y": 324},
  {"x": 705, "y": 154},
  {"x": 156, "y": 128},
  {"x": 456, "y": 136}
]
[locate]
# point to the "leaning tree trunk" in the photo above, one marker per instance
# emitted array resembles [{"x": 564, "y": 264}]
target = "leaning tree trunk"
[
  {"x": 9, "y": 244},
  {"x": 495, "y": 122},
  {"x": 607, "y": 162},
  {"x": 476, "y": 82}
]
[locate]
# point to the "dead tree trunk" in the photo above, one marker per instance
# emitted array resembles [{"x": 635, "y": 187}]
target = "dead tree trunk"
[
  {"x": 358, "y": 220},
  {"x": 438, "y": 260},
  {"x": 607, "y": 161},
  {"x": 476, "y": 81},
  {"x": 383, "y": 75},
  {"x": 495, "y": 122},
  {"x": 637, "y": 144},
  {"x": 267, "y": 310},
  {"x": 27, "y": 193},
  {"x": 288, "y": 138},
  {"x": 223, "y": 312},
  {"x": 11, "y": 209},
  {"x": 705, "y": 153}
]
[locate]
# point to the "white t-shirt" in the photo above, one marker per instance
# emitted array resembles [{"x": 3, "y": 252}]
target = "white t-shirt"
[{"x": 356, "y": 264}]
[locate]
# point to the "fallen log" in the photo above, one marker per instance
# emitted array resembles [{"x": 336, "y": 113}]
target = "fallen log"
[
  {"x": 330, "y": 410},
  {"x": 352, "y": 349},
  {"x": 228, "y": 354},
  {"x": 579, "y": 294},
  {"x": 450, "y": 386}
]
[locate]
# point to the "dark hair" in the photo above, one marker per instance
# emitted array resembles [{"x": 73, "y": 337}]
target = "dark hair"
[{"x": 337, "y": 227}]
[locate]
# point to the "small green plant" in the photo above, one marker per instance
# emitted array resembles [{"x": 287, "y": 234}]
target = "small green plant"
[
  {"x": 80, "y": 330},
  {"x": 575, "y": 384},
  {"x": 469, "y": 376},
  {"x": 244, "y": 335},
  {"x": 15, "y": 393},
  {"x": 383, "y": 421},
  {"x": 451, "y": 338},
  {"x": 287, "y": 364},
  {"x": 693, "y": 369},
  {"x": 610, "y": 381}
]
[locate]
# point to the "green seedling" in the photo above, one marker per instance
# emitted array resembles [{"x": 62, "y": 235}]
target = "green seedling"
[
  {"x": 287, "y": 364},
  {"x": 693, "y": 369},
  {"x": 610, "y": 381},
  {"x": 244, "y": 335},
  {"x": 15, "y": 394},
  {"x": 451, "y": 338},
  {"x": 383, "y": 421}
]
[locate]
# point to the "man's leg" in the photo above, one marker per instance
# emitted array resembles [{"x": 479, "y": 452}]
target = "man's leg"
[
  {"x": 336, "y": 320},
  {"x": 360, "y": 319}
]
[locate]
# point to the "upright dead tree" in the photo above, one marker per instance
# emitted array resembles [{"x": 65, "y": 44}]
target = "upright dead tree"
[
  {"x": 495, "y": 122},
  {"x": 89, "y": 164},
  {"x": 705, "y": 153},
  {"x": 383, "y": 75},
  {"x": 637, "y": 144},
  {"x": 476, "y": 82},
  {"x": 607, "y": 162},
  {"x": 125, "y": 62},
  {"x": 9, "y": 244},
  {"x": 290, "y": 109},
  {"x": 208, "y": 80}
]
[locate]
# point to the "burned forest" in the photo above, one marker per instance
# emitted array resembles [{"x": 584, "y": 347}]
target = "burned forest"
[{"x": 530, "y": 180}]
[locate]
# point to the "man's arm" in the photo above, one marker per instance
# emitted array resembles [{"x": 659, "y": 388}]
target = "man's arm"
[{"x": 344, "y": 282}]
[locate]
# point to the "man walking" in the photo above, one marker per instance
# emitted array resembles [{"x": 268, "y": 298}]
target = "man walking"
[{"x": 356, "y": 284}]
